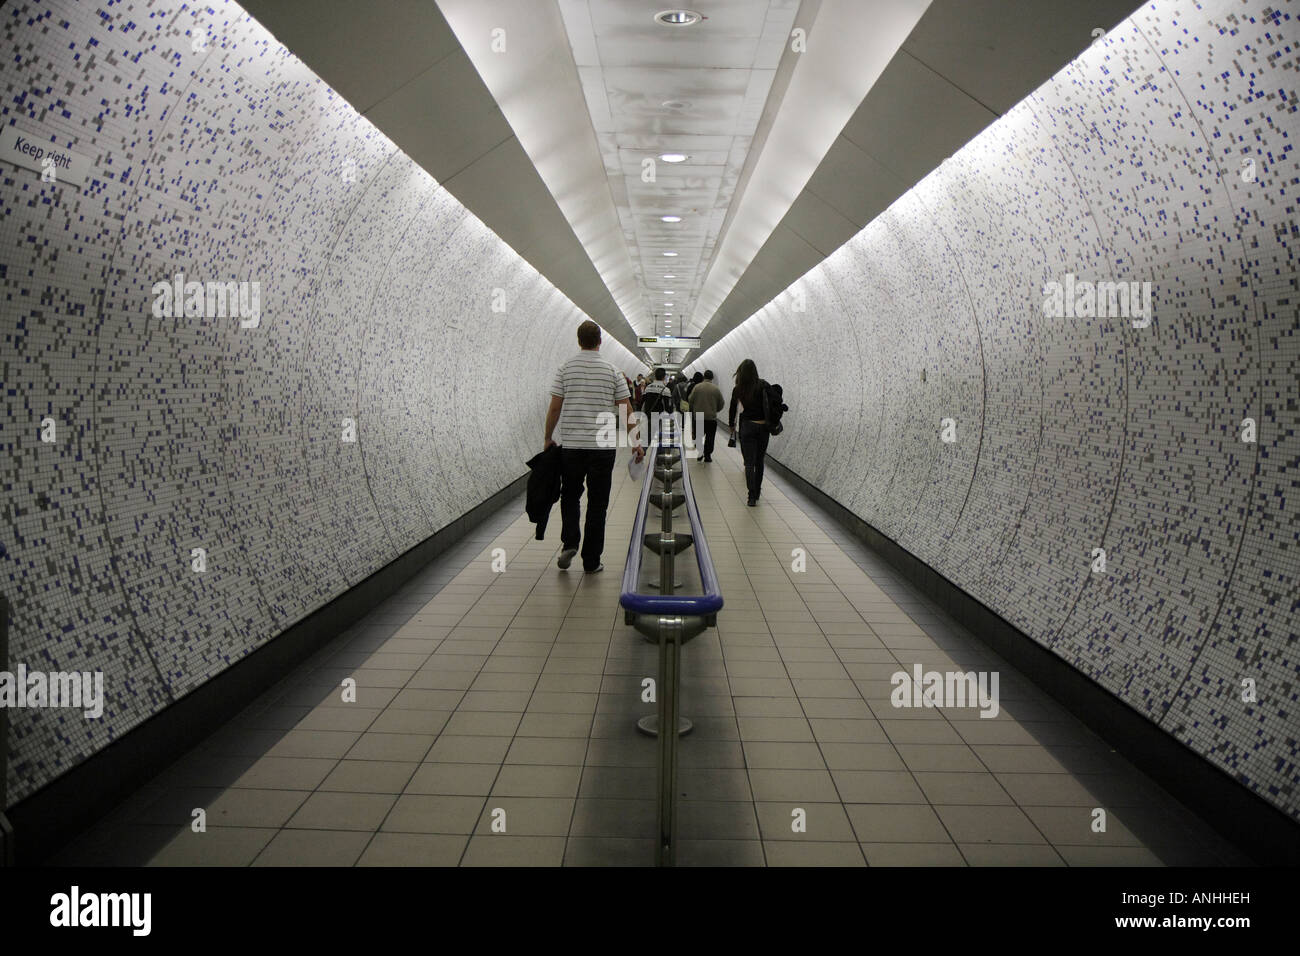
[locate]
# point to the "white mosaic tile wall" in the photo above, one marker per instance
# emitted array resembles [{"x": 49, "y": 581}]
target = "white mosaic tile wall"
[
  {"x": 228, "y": 160},
  {"x": 1165, "y": 153}
]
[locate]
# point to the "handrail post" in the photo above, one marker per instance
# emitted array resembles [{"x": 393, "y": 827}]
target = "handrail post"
[
  {"x": 666, "y": 527},
  {"x": 670, "y": 632},
  {"x": 669, "y": 620}
]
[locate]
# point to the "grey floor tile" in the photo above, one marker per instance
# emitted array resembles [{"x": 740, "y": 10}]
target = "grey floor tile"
[
  {"x": 453, "y": 779},
  {"x": 369, "y": 776},
  {"x": 695, "y": 852},
  {"x": 527, "y": 780},
  {"x": 391, "y": 747},
  {"x": 1000, "y": 825},
  {"x": 547, "y": 751},
  {"x": 843, "y": 756},
  {"x": 426, "y": 813},
  {"x": 1109, "y": 856},
  {"x": 313, "y": 743},
  {"x": 452, "y": 748},
  {"x": 955, "y": 788},
  {"x": 725, "y": 784},
  {"x": 877, "y": 786},
  {"x": 603, "y": 817},
  {"x": 414, "y": 849},
  {"x": 394, "y": 721},
  {"x": 819, "y": 822},
  {"x": 783, "y": 755},
  {"x": 526, "y": 816},
  {"x": 252, "y": 808},
  {"x": 554, "y": 725},
  {"x": 343, "y": 811},
  {"x": 789, "y": 853},
  {"x": 482, "y": 724},
  {"x": 1023, "y": 854},
  {"x": 775, "y": 728},
  {"x": 912, "y": 854},
  {"x": 717, "y": 821},
  {"x": 499, "y": 849},
  {"x": 896, "y": 823},
  {"x": 313, "y": 848},
  {"x": 219, "y": 846},
  {"x": 797, "y": 786},
  {"x": 619, "y": 782},
  {"x": 609, "y": 851},
  {"x": 1075, "y": 826}
]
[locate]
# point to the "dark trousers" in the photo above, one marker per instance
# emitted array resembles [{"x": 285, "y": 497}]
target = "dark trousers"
[
  {"x": 710, "y": 430},
  {"x": 753, "y": 449},
  {"x": 596, "y": 466}
]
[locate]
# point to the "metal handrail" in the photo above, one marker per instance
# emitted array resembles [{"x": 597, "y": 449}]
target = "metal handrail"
[{"x": 666, "y": 604}]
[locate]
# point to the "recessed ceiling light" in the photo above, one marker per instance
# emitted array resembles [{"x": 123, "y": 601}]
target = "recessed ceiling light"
[
  {"x": 670, "y": 253},
  {"x": 675, "y": 104},
  {"x": 677, "y": 18},
  {"x": 673, "y": 157},
  {"x": 671, "y": 218},
  {"x": 669, "y": 292},
  {"x": 670, "y": 277}
]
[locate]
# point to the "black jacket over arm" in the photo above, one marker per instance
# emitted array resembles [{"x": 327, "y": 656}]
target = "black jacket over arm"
[{"x": 543, "y": 487}]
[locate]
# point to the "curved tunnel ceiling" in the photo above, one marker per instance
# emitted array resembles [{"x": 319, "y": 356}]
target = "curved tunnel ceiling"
[
  {"x": 963, "y": 64},
  {"x": 966, "y": 63}
]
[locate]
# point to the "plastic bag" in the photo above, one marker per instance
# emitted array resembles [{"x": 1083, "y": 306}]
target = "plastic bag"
[{"x": 636, "y": 469}]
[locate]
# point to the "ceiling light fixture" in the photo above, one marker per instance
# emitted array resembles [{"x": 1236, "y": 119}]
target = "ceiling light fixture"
[
  {"x": 670, "y": 253},
  {"x": 675, "y": 104},
  {"x": 671, "y": 218},
  {"x": 670, "y": 277},
  {"x": 677, "y": 18},
  {"x": 673, "y": 157}
]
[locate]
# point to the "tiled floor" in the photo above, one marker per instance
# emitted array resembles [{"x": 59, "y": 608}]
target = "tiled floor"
[{"x": 510, "y": 698}]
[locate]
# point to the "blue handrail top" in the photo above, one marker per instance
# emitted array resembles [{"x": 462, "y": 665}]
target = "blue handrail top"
[{"x": 667, "y": 605}]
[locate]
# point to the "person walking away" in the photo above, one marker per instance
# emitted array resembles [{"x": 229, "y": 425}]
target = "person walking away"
[
  {"x": 748, "y": 394},
  {"x": 706, "y": 400},
  {"x": 680, "y": 390},
  {"x": 657, "y": 398},
  {"x": 586, "y": 388}
]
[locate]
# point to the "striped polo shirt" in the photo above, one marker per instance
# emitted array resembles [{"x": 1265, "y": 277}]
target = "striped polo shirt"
[{"x": 589, "y": 386}]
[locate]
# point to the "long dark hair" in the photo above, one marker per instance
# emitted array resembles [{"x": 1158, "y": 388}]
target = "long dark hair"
[{"x": 746, "y": 379}]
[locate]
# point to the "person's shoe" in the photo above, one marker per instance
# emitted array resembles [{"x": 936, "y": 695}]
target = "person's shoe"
[
  {"x": 708, "y": 459},
  {"x": 596, "y": 570},
  {"x": 565, "y": 558},
  {"x": 753, "y": 502},
  {"x": 701, "y": 458}
]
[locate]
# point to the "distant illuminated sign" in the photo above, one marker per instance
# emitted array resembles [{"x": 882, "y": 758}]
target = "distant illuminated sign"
[{"x": 669, "y": 341}]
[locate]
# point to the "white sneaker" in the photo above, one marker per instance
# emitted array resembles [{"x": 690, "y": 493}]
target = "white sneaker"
[{"x": 565, "y": 558}]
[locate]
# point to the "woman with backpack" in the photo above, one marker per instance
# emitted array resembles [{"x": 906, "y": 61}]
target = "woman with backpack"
[{"x": 760, "y": 412}]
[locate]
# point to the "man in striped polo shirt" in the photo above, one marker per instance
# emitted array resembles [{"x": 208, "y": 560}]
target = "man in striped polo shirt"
[{"x": 587, "y": 390}]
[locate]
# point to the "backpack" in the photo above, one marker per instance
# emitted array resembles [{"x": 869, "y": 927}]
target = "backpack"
[
  {"x": 656, "y": 402},
  {"x": 773, "y": 407}
]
